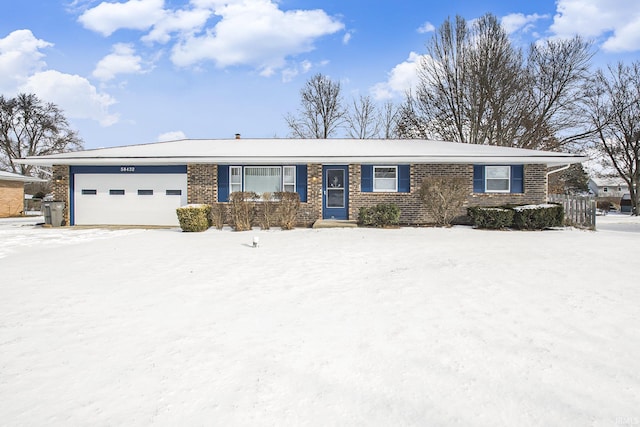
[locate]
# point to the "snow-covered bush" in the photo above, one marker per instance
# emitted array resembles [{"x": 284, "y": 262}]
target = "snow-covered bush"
[
  {"x": 381, "y": 215},
  {"x": 538, "y": 217},
  {"x": 491, "y": 218},
  {"x": 194, "y": 217}
]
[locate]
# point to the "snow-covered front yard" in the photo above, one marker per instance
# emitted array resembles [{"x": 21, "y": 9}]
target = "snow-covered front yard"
[{"x": 331, "y": 327}]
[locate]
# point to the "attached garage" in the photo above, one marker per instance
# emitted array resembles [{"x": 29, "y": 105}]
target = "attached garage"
[{"x": 127, "y": 195}]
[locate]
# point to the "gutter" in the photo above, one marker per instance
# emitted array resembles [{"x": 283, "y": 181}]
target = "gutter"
[{"x": 563, "y": 168}]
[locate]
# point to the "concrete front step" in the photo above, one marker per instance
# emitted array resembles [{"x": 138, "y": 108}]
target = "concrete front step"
[{"x": 335, "y": 223}]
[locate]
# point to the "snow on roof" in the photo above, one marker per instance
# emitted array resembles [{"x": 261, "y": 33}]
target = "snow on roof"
[
  {"x": 609, "y": 182},
  {"x": 326, "y": 151},
  {"x": 10, "y": 176}
]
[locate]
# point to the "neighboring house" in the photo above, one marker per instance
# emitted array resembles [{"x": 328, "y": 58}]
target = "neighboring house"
[
  {"x": 144, "y": 184},
  {"x": 608, "y": 187},
  {"x": 12, "y": 193}
]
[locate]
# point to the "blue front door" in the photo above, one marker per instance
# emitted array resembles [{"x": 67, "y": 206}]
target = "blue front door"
[{"x": 335, "y": 192}]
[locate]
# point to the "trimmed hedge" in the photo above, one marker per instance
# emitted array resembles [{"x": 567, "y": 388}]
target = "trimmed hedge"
[
  {"x": 528, "y": 217},
  {"x": 381, "y": 215},
  {"x": 538, "y": 217},
  {"x": 194, "y": 217},
  {"x": 491, "y": 218}
]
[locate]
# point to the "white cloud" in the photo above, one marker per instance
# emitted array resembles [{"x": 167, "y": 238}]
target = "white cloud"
[
  {"x": 617, "y": 22},
  {"x": 427, "y": 27},
  {"x": 256, "y": 33},
  {"x": 180, "y": 21},
  {"x": 171, "y": 136},
  {"x": 520, "y": 22},
  {"x": 402, "y": 77},
  {"x": 74, "y": 94},
  {"x": 106, "y": 18},
  {"x": 20, "y": 56},
  {"x": 22, "y": 69},
  {"x": 347, "y": 37},
  {"x": 123, "y": 60}
]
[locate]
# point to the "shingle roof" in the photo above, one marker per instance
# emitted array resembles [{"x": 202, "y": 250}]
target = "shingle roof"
[{"x": 326, "y": 151}]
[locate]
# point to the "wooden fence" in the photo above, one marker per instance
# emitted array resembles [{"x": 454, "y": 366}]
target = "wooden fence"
[{"x": 579, "y": 211}]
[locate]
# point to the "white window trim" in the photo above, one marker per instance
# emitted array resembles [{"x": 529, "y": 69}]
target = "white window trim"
[
  {"x": 486, "y": 179},
  {"x": 385, "y": 190},
  {"x": 241, "y": 170},
  {"x": 293, "y": 169},
  {"x": 231, "y": 184}
]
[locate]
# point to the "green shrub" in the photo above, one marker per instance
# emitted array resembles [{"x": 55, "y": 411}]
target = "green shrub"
[
  {"x": 194, "y": 217},
  {"x": 381, "y": 215},
  {"x": 242, "y": 206},
  {"x": 287, "y": 208},
  {"x": 538, "y": 217},
  {"x": 491, "y": 218}
]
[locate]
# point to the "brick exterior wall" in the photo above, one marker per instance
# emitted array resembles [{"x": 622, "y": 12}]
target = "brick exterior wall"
[
  {"x": 60, "y": 184},
  {"x": 202, "y": 187},
  {"x": 202, "y": 184},
  {"x": 11, "y": 198},
  {"x": 412, "y": 211}
]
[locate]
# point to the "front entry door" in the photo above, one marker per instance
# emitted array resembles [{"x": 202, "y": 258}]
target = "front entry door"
[{"x": 335, "y": 192}]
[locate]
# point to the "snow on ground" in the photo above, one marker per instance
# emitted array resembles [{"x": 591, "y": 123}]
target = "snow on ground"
[{"x": 358, "y": 327}]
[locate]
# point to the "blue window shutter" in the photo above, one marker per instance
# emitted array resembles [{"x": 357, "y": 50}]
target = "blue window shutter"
[
  {"x": 404, "y": 179},
  {"x": 478, "y": 178},
  {"x": 517, "y": 178},
  {"x": 223, "y": 183},
  {"x": 366, "y": 178},
  {"x": 301, "y": 182}
]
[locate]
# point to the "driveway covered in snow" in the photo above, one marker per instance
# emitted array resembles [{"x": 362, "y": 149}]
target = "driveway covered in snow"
[{"x": 414, "y": 326}]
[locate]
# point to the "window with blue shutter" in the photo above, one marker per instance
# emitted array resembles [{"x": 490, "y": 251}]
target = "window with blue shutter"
[
  {"x": 404, "y": 179},
  {"x": 515, "y": 183},
  {"x": 223, "y": 183},
  {"x": 385, "y": 178},
  {"x": 366, "y": 178},
  {"x": 517, "y": 178},
  {"x": 279, "y": 178},
  {"x": 478, "y": 178},
  {"x": 301, "y": 182}
]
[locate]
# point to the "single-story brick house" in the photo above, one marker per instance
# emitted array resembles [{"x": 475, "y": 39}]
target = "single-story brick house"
[
  {"x": 12, "y": 193},
  {"x": 144, "y": 184}
]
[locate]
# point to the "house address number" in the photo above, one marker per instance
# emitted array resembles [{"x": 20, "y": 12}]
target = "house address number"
[{"x": 127, "y": 169}]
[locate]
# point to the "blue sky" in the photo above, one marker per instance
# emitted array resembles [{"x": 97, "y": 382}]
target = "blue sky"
[{"x": 139, "y": 71}]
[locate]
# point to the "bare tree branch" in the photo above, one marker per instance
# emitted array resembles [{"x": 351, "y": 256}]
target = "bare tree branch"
[{"x": 30, "y": 127}]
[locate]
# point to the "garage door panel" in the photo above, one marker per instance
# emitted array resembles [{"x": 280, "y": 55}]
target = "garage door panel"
[{"x": 153, "y": 206}]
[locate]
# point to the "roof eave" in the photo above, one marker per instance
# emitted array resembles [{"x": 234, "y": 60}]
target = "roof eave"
[{"x": 468, "y": 159}]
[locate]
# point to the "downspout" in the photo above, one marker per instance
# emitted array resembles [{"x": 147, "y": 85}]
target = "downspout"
[{"x": 560, "y": 169}]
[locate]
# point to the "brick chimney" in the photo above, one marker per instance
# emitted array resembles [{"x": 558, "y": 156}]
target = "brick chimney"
[{"x": 237, "y": 136}]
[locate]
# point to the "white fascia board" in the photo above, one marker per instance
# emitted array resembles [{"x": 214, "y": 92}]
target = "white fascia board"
[{"x": 275, "y": 160}]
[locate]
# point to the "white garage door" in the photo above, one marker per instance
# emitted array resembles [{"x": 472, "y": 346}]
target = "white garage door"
[{"x": 128, "y": 199}]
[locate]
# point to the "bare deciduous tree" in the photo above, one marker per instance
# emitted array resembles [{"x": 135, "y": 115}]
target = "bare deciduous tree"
[
  {"x": 389, "y": 113},
  {"x": 30, "y": 127},
  {"x": 613, "y": 104},
  {"x": 476, "y": 87},
  {"x": 363, "y": 121},
  {"x": 321, "y": 111}
]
